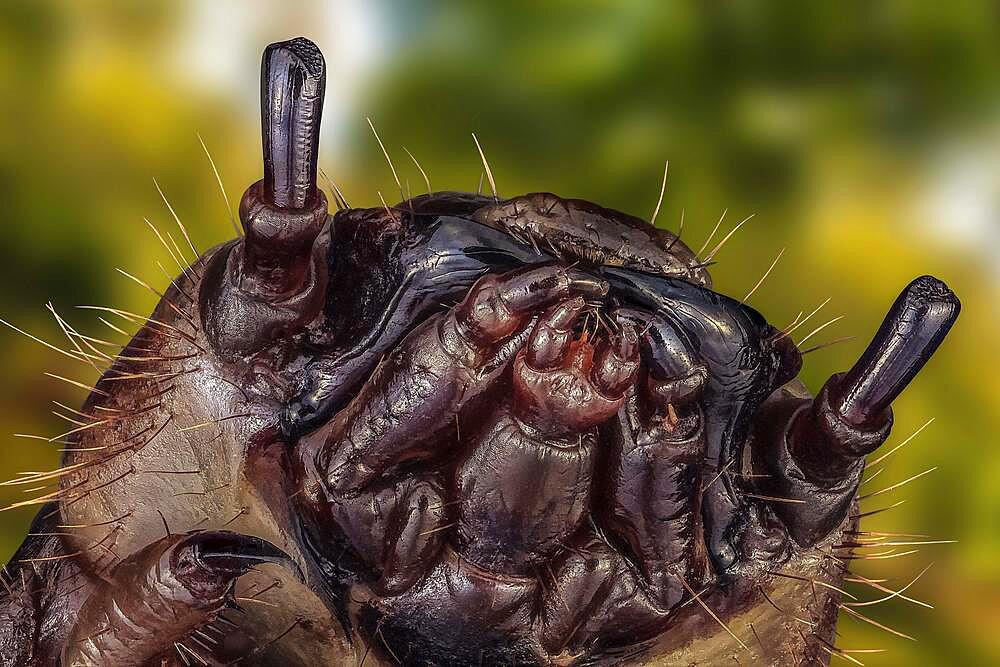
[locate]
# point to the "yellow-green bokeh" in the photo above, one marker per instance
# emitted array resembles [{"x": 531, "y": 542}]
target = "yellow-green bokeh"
[{"x": 865, "y": 137}]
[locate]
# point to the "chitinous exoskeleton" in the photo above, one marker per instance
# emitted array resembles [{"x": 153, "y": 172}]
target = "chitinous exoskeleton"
[{"x": 463, "y": 429}]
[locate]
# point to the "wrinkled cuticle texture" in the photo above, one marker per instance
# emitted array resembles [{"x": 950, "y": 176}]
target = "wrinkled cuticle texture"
[
  {"x": 510, "y": 455},
  {"x": 456, "y": 431}
]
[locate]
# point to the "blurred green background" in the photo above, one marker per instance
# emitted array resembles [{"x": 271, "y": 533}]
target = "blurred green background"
[{"x": 865, "y": 137}]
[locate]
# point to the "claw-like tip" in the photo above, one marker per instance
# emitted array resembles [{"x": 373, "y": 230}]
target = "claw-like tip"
[{"x": 231, "y": 554}]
